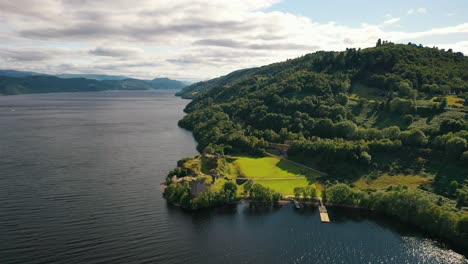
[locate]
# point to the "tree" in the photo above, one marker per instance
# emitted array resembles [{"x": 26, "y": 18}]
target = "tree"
[
  {"x": 414, "y": 137},
  {"x": 261, "y": 194},
  {"x": 451, "y": 125},
  {"x": 379, "y": 43},
  {"x": 408, "y": 119},
  {"x": 391, "y": 133},
  {"x": 248, "y": 185},
  {"x": 230, "y": 191},
  {"x": 311, "y": 191},
  {"x": 462, "y": 226},
  {"x": 339, "y": 194},
  {"x": 443, "y": 103},
  {"x": 402, "y": 106},
  {"x": 345, "y": 129},
  {"x": 365, "y": 158},
  {"x": 298, "y": 192},
  {"x": 462, "y": 197},
  {"x": 455, "y": 147},
  {"x": 341, "y": 98}
]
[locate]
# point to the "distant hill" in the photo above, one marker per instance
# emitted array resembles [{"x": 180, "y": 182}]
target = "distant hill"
[
  {"x": 166, "y": 83},
  {"x": 99, "y": 77},
  {"x": 20, "y": 82},
  {"x": 14, "y": 73},
  {"x": 52, "y": 84}
]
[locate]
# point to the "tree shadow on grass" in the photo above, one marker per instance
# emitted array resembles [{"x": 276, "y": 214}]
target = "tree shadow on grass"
[{"x": 292, "y": 168}]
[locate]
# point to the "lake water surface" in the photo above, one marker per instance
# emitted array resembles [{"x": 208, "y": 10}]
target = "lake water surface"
[{"x": 79, "y": 178}]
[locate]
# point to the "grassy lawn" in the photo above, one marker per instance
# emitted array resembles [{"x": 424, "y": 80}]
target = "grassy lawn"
[
  {"x": 270, "y": 167},
  {"x": 386, "y": 180},
  {"x": 280, "y": 175}
]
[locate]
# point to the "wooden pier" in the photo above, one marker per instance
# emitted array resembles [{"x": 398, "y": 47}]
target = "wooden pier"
[
  {"x": 297, "y": 204},
  {"x": 323, "y": 212}
]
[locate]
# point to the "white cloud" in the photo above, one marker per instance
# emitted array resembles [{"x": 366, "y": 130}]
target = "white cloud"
[
  {"x": 420, "y": 10},
  {"x": 392, "y": 21},
  {"x": 188, "y": 39},
  {"x": 461, "y": 46}
]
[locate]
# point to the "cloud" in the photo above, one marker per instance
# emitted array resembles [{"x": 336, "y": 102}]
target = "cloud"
[
  {"x": 198, "y": 39},
  {"x": 461, "y": 46},
  {"x": 392, "y": 21},
  {"x": 420, "y": 10},
  {"x": 116, "y": 51},
  {"x": 254, "y": 46}
]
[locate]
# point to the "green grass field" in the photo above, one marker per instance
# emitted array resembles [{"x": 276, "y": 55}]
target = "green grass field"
[
  {"x": 279, "y": 175},
  {"x": 270, "y": 167}
]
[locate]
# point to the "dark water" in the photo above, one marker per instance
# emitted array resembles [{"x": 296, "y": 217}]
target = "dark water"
[{"x": 79, "y": 179}]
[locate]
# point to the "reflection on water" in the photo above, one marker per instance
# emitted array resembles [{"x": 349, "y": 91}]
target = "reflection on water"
[{"x": 80, "y": 178}]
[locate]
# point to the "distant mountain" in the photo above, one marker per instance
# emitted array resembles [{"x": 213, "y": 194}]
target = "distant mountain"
[
  {"x": 14, "y": 73},
  {"x": 99, "y": 77},
  {"x": 53, "y": 84},
  {"x": 166, "y": 83},
  {"x": 187, "y": 82},
  {"x": 20, "y": 82}
]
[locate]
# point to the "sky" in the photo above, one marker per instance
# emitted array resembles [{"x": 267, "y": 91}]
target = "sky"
[{"x": 202, "y": 39}]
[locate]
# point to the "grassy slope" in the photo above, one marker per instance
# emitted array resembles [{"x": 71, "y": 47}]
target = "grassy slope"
[{"x": 386, "y": 180}]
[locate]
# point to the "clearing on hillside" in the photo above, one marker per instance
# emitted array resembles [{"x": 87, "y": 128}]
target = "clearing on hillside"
[{"x": 386, "y": 181}]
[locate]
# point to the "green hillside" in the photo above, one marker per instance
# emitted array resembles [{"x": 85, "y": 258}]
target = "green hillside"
[
  {"x": 391, "y": 108},
  {"x": 387, "y": 125}
]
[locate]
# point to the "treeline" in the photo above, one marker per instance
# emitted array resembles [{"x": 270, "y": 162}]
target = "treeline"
[
  {"x": 408, "y": 205},
  {"x": 178, "y": 193}
]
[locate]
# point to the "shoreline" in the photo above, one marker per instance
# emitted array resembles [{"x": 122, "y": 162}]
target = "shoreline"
[{"x": 445, "y": 242}]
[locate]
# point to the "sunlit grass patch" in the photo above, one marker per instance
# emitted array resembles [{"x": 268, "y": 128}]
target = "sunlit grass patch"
[
  {"x": 270, "y": 167},
  {"x": 452, "y": 100},
  {"x": 386, "y": 181}
]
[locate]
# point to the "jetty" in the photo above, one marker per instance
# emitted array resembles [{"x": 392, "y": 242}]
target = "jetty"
[
  {"x": 296, "y": 204},
  {"x": 323, "y": 212}
]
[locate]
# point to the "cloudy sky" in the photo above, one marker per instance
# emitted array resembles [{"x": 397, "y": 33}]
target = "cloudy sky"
[{"x": 200, "y": 39}]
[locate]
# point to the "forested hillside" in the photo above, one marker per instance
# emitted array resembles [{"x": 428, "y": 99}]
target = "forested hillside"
[
  {"x": 388, "y": 109},
  {"x": 387, "y": 124}
]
